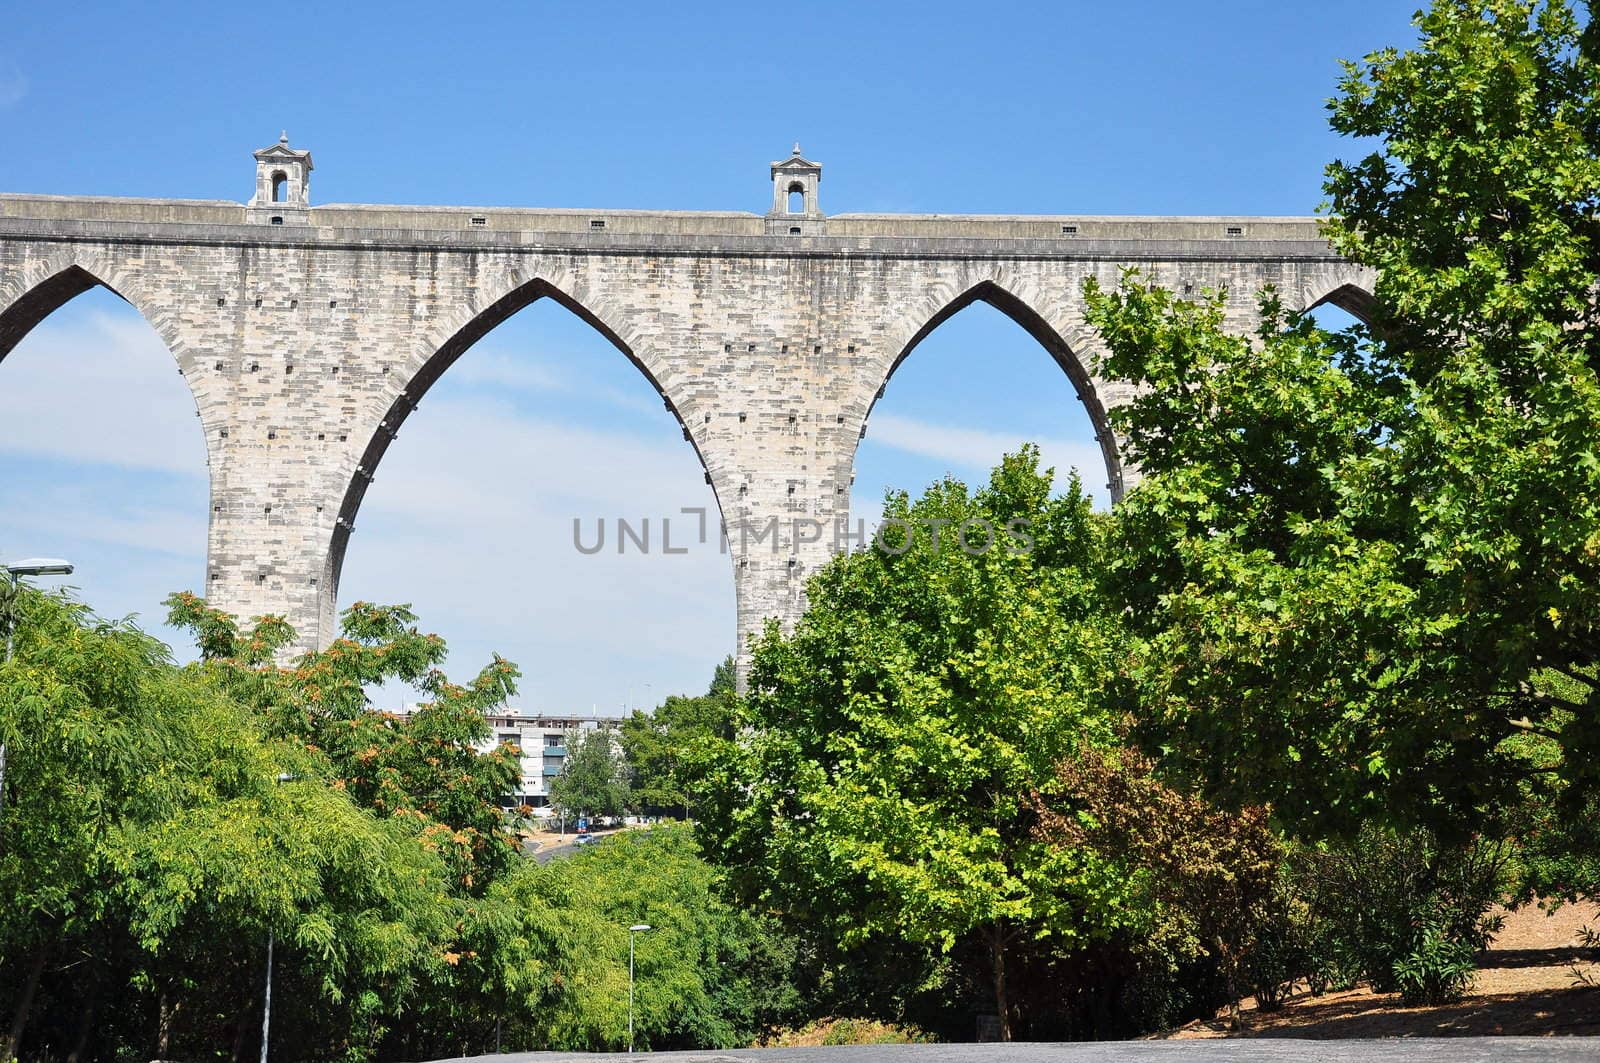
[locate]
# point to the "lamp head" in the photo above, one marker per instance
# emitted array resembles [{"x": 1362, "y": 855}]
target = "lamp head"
[{"x": 40, "y": 566}]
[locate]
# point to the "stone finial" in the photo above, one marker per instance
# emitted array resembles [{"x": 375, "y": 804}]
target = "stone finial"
[
  {"x": 796, "y": 149},
  {"x": 283, "y": 138}
]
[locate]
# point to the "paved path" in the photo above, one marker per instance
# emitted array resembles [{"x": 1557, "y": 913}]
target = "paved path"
[{"x": 1277, "y": 1050}]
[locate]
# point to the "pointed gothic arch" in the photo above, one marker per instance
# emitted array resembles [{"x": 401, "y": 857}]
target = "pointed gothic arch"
[
  {"x": 37, "y": 291},
  {"x": 459, "y": 335},
  {"x": 1065, "y": 355}
]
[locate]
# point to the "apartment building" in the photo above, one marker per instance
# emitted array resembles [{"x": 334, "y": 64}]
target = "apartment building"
[{"x": 544, "y": 741}]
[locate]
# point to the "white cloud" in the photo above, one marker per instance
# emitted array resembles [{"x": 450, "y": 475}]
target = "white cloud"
[
  {"x": 13, "y": 84},
  {"x": 122, "y": 515},
  {"x": 974, "y": 450},
  {"x": 101, "y": 389},
  {"x": 470, "y": 520},
  {"x": 504, "y": 370}
]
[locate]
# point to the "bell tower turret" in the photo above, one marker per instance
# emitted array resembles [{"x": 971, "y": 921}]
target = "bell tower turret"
[
  {"x": 283, "y": 185},
  {"x": 794, "y": 197}
]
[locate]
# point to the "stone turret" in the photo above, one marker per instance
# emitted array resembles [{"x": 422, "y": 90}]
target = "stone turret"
[
  {"x": 794, "y": 197},
  {"x": 283, "y": 185}
]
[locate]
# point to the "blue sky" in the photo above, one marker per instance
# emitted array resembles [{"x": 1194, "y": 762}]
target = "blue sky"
[{"x": 1140, "y": 108}]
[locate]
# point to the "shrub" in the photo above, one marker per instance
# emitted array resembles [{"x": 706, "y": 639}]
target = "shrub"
[
  {"x": 1439, "y": 970},
  {"x": 1588, "y": 974},
  {"x": 846, "y": 1032},
  {"x": 1279, "y": 954},
  {"x": 1373, "y": 899}
]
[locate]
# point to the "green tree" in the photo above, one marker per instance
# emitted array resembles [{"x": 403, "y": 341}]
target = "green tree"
[
  {"x": 424, "y": 766},
  {"x": 1366, "y": 562},
  {"x": 593, "y": 780},
  {"x": 725, "y": 679},
  {"x": 661, "y": 746},
  {"x": 708, "y": 974},
  {"x": 1480, "y": 210},
  {"x": 879, "y": 790},
  {"x": 150, "y": 848},
  {"x": 422, "y": 772}
]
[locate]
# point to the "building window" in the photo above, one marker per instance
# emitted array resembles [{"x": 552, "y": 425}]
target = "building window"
[
  {"x": 1235, "y": 230},
  {"x": 480, "y": 221},
  {"x": 797, "y": 198},
  {"x": 279, "y": 180},
  {"x": 1069, "y": 230},
  {"x": 597, "y": 223},
  {"x": 277, "y": 220},
  {"x": 794, "y": 230}
]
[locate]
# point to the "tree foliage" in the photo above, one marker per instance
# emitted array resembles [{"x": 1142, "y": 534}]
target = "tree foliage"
[
  {"x": 424, "y": 766},
  {"x": 1209, "y": 878},
  {"x": 1366, "y": 561},
  {"x": 150, "y": 841},
  {"x": 707, "y": 974},
  {"x": 879, "y": 787},
  {"x": 661, "y": 747},
  {"x": 593, "y": 779},
  {"x": 161, "y": 824}
]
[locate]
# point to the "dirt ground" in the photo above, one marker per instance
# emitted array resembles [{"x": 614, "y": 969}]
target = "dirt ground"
[{"x": 1525, "y": 986}]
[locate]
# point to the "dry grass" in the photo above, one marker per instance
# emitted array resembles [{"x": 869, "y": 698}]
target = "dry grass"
[{"x": 1525, "y": 987}]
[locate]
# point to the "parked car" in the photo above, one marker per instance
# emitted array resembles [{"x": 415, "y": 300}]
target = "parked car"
[{"x": 587, "y": 839}]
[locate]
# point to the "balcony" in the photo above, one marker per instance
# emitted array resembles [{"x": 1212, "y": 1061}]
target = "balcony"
[
  {"x": 555, "y": 751},
  {"x": 551, "y": 771}
]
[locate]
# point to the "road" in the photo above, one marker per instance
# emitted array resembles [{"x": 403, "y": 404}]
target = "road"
[
  {"x": 1409, "y": 1050},
  {"x": 552, "y": 847}
]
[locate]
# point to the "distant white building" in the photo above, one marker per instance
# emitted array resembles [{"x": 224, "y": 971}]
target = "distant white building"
[{"x": 544, "y": 741}]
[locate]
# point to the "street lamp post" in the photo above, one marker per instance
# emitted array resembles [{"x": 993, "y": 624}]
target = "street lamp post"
[
  {"x": 637, "y": 928},
  {"x": 266, "y": 1002},
  {"x": 33, "y": 566},
  {"x": 266, "y": 1005}
]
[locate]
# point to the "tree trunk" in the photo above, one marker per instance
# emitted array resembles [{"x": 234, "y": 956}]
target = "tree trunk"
[
  {"x": 1230, "y": 971},
  {"x": 997, "y": 942},
  {"x": 19, "y": 1018},
  {"x": 164, "y": 1023},
  {"x": 85, "y": 1025},
  {"x": 238, "y": 1040}
]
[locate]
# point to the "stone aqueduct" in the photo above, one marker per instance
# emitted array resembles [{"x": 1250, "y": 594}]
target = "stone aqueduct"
[{"x": 307, "y": 334}]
